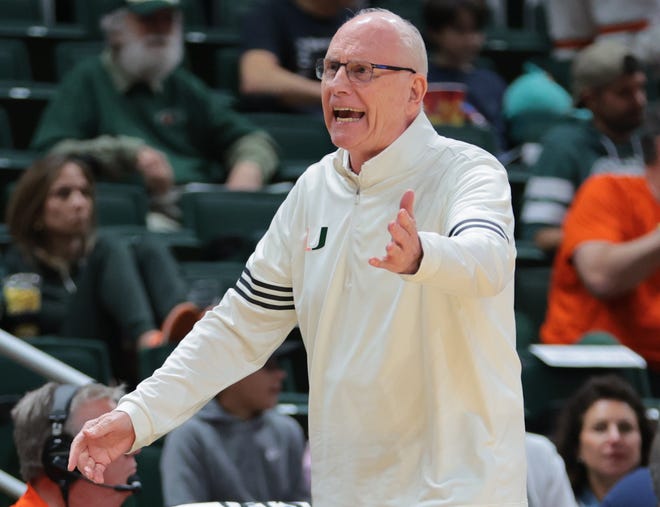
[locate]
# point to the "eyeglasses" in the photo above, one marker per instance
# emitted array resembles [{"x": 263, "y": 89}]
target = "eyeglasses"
[{"x": 358, "y": 72}]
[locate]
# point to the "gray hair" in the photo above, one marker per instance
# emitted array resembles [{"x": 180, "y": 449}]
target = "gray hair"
[
  {"x": 32, "y": 429},
  {"x": 411, "y": 37}
]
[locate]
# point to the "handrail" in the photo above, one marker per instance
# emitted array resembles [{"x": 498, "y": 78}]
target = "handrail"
[
  {"x": 43, "y": 364},
  {"x": 40, "y": 362},
  {"x": 11, "y": 485}
]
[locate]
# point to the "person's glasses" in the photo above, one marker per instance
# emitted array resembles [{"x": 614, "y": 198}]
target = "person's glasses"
[{"x": 360, "y": 72}]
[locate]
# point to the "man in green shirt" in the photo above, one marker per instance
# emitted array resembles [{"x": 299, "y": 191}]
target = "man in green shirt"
[
  {"x": 135, "y": 110},
  {"x": 610, "y": 82}
]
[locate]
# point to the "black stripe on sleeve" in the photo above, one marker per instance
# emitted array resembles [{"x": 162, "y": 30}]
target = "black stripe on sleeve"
[
  {"x": 261, "y": 303},
  {"x": 262, "y": 294},
  {"x": 478, "y": 223},
  {"x": 265, "y": 285}
]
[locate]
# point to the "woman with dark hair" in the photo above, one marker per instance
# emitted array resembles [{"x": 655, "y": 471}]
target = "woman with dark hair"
[
  {"x": 90, "y": 285},
  {"x": 602, "y": 435}
]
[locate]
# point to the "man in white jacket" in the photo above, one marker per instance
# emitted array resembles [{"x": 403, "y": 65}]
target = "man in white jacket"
[{"x": 415, "y": 395}]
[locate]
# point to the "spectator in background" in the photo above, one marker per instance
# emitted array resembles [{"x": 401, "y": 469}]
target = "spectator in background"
[
  {"x": 281, "y": 41},
  {"x": 602, "y": 434},
  {"x": 135, "y": 109},
  {"x": 92, "y": 285},
  {"x": 42, "y": 447},
  {"x": 574, "y": 24},
  {"x": 547, "y": 481},
  {"x": 454, "y": 31},
  {"x": 238, "y": 447},
  {"x": 609, "y": 81},
  {"x": 608, "y": 264}
]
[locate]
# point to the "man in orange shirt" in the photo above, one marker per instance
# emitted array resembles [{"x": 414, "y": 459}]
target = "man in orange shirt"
[
  {"x": 44, "y": 421},
  {"x": 606, "y": 275}
]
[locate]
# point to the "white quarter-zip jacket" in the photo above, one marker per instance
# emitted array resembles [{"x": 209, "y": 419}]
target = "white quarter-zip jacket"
[{"x": 415, "y": 396}]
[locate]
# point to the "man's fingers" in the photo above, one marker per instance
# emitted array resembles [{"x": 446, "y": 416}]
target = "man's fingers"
[{"x": 407, "y": 202}]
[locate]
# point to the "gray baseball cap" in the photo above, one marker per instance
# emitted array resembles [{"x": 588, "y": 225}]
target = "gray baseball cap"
[{"x": 600, "y": 64}]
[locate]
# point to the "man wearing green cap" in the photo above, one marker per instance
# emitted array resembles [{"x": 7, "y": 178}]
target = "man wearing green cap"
[{"x": 135, "y": 109}]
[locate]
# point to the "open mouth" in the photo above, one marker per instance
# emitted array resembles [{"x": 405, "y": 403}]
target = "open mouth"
[{"x": 347, "y": 114}]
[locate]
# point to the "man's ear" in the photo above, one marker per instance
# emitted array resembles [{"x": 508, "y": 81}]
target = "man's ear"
[{"x": 418, "y": 89}]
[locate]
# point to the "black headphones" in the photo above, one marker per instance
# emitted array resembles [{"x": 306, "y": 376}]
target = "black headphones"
[{"x": 55, "y": 454}]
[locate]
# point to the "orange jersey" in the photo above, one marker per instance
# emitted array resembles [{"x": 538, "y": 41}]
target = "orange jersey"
[{"x": 616, "y": 209}]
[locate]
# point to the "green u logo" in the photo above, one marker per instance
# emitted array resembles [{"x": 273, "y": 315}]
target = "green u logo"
[{"x": 322, "y": 236}]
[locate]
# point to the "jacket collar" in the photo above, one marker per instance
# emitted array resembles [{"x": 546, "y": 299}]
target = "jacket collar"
[{"x": 400, "y": 156}]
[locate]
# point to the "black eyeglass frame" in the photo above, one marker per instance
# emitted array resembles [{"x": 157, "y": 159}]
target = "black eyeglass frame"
[{"x": 319, "y": 67}]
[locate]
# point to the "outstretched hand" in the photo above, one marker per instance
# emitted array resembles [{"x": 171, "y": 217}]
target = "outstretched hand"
[
  {"x": 403, "y": 254},
  {"x": 100, "y": 442}
]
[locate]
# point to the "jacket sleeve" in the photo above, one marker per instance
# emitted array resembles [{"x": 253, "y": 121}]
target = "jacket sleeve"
[
  {"x": 228, "y": 343},
  {"x": 474, "y": 254}
]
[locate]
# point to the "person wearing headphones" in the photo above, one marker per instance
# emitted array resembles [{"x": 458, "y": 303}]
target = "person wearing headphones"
[{"x": 44, "y": 421}]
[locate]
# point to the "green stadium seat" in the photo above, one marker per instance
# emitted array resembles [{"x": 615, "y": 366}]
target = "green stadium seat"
[
  {"x": 532, "y": 282},
  {"x": 89, "y": 13},
  {"x": 24, "y": 102},
  {"x": 148, "y": 464},
  {"x": 6, "y": 141},
  {"x": 21, "y": 12},
  {"x": 208, "y": 281},
  {"x": 218, "y": 214},
  {"x": 70, "y": 53},
  {"x": 14, "y": 59},
  {"x": 303, "y": 140},
  {"x": 121, "y": 204},
  {"x": 484, "y": 137},
  {"x": 229, "y": 14},
  {"x": 86, "y": 355},
  {"x": 226, "y": 69}
]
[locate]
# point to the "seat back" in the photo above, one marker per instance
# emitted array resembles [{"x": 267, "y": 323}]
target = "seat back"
[
  {"x": 121, "y": 204},
  {"x": 229, "y": 13},
  {"x": 208, "y": 281},
  {"x": 229, "y": 214},
  {"x": 69, "y": 53},
  {"x": 226, "y": 69},
  {"x": 5, "y": 130},
  {"x": 13, "y": 12},
  {"x": 148, "y": 466},
  {"x": 302, "y": 139},
  {"x": 484, "y": 137},
  {"x": 14, "y": 59},
  {"x": 86, "y": 355},
  {"x": 89, "y": 13}
]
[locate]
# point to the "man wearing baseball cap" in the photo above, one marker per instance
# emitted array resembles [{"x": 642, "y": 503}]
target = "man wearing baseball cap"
[
  {"x": 609, "y": 81},
  {"x": 134, "y": 108}
]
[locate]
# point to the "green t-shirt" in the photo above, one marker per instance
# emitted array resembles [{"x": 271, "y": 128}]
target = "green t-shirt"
[{"x": 570, "y": 154}]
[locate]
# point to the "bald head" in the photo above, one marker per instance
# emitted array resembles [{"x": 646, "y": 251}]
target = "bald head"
[{"x": 394, "y": 28}]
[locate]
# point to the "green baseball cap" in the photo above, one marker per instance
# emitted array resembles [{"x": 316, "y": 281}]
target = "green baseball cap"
[{"x": 147, "y": 7}]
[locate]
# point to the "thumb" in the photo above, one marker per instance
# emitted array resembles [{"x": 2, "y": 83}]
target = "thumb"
[{"x": 407, "y": 202}]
